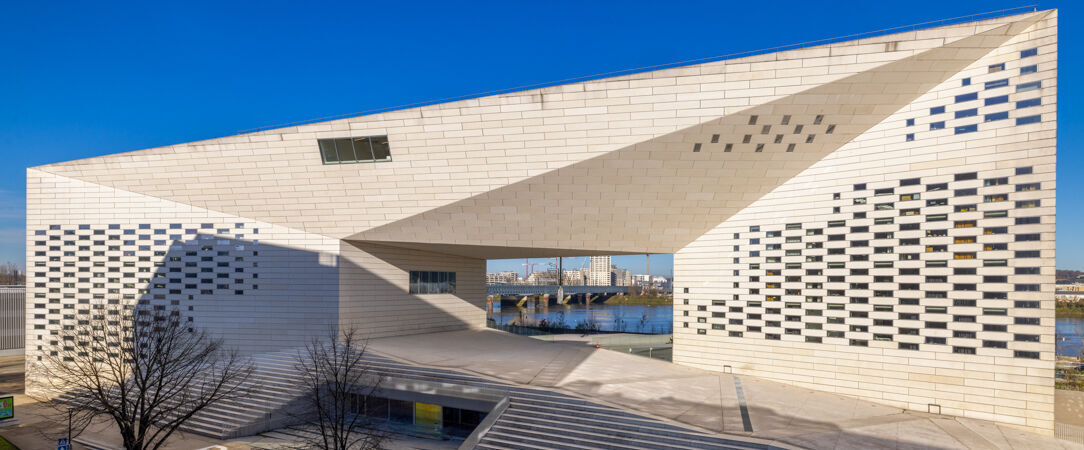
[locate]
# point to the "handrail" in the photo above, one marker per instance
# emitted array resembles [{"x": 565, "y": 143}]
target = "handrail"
[
  {"x": 867, "y": 34},
  {"x": 483, "y": 427}
]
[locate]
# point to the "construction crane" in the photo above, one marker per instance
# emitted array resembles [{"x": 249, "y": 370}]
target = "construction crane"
[{"x": 529, "y": 267}]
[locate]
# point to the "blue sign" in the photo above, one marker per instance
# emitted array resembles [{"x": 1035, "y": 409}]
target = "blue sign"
[
  {"x": 7, "y": 407},
  {"x": 62, "y": 444}
]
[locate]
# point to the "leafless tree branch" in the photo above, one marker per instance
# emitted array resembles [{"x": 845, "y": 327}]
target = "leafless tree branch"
[
  {"x": 141, "y": 366},
  {"x": 336, "y": 381}
]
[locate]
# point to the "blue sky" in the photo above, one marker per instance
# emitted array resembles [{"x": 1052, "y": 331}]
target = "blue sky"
[{"x": 86, "y": 79}]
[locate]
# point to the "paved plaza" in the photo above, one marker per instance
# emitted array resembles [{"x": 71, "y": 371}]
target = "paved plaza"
[{"x": 782, "y": 415}]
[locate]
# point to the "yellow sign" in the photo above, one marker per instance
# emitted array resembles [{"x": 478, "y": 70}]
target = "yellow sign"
[{"x": 428, "y": 416}]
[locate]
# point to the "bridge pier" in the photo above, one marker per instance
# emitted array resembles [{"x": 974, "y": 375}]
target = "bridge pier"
[{"x": 519, "y": 294}]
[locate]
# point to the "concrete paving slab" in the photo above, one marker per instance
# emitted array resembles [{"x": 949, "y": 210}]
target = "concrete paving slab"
[{"x": 706, "y": 400}]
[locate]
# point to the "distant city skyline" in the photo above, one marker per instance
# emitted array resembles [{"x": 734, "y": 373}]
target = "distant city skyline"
[
  {"x": 62, "y": 103},
  {"x": 661, "y": 264}
]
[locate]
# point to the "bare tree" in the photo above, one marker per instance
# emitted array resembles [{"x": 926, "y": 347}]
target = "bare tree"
[
  {"x": 10, "y": 275},
  {"x": 337, "y": 384},
  {"x": 143, "y": 367}
]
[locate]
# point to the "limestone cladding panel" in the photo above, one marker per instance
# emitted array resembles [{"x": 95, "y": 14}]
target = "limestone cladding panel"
[
  {"x": 260, "y": 286},
  {"x": 450, "y": 151},
  {"x": 912, "y": 266},
  {"x": 376, "y": 298}
]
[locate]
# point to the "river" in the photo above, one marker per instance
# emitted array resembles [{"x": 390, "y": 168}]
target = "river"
[
  {"x": 659, "y": 319},
  {"x": 1070, "y": 329},
  {"x": 653, "y": 319}
]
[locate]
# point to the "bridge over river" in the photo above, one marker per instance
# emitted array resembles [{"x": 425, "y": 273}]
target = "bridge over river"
[{"x": 529, "y": 289}]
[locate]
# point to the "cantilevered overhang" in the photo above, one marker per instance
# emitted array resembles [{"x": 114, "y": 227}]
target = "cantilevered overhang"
[{"x": 658, "y": 195}]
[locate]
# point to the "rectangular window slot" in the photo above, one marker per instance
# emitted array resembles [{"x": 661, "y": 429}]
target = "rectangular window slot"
[
  {"x": 997, "y": 83},
  {"x": 696, "y": 148},
  {"x": 995, "y": 68},
  {"x": 967, "y": 97},
  {"x": 809, "y": 139},
  {"x": 996, "y": 100},
  {"x": 728, "y": 148},
  {"x": 354, "y": 149},
  {"x": 1029, "y": 52},
  {"x": 937, "y": 125},
  {"x": 752, "y": 120},
  {"x": 715, "y": 139},
  {"x": 1028, "y": 119},
  {"x": 1024, "y": 87},
  {"x": 1029, "y": 103},
  {"x": 937, "y": 110},
  {"x": 830, "y": 129},
  {"x": 818, "y": 119},
  {"x": 778, "y": 138},
  {"x": 760, "y": 148},
  {"x": 432, "y": 282},
  {"x": 1029, "y": 69},
  {"x": 971, "y": 128},
  {"x": 798, "y": 129},
  {"x": 996, "y": 116},
  {"x": 967, "y": 113},
  {"x": 965, "y": 82},
  {"x": 786, "y": 120},
  {"x": 746, "y": 139},
  {"x": 766, "y": 129}
]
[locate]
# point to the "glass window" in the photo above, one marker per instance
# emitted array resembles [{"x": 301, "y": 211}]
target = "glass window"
[
  {"x": 1024, "y": 87},
  {"x": 940, "y": 125},
  {"x": 1028, "y": 69},
  {"x": 354, "y": 149},
  {"x": 996, "y": 116},
  {"x": 424, "y": 282},
  {"x": 973, "y": 128},
  {"x": 327, "y": 150},
  {"x": 1028, "y": 119},
  {"x": 996, "y": 100},
  {"x": 381, "y": 149},
  {"x": 997, "y": 83},
  {"x": 362, "y": 148},
  {"x": 967, "y": 97},
  {"x": 345, "y": 149},
  {"x": 937, "y": 110},
  {"x": 967, "y": 113},
  {"x": 1029, "y": 52},
  {"x": 995, "y": 68},
  {"x": 1029, "y": 103}
]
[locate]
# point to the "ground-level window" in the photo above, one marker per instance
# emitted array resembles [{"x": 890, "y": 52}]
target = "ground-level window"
[{"x": 422, "y": 282}]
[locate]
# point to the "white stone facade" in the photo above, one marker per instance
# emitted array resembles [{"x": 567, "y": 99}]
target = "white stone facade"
[
  {"x": 730, "y": 164},
  {"x": 913, "y": 271}
]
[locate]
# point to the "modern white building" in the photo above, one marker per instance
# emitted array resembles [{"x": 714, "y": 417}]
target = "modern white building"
[
  {"x": 872, "y": 217},
  {"x": 600, "y": 271}
]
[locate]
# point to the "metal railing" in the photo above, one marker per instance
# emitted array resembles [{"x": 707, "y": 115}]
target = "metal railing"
[
  {"x": 868, "y": 34},
  {"x": 12, "y": 318}
]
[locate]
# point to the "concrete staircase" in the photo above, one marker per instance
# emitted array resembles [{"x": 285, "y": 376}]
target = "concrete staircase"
[
  {"x": 536, "y": 418},
  {"x": 540, "y": 419}
]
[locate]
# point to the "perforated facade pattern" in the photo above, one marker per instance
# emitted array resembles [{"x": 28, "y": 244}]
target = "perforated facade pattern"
[
  {"x": 913, "y": 266},
  {"x": 873, "y": 217}
]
